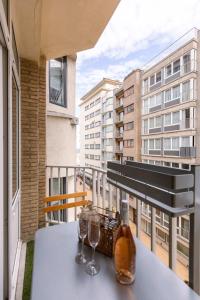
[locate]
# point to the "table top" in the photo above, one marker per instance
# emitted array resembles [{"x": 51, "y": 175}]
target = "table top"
[{"x": 56, "y": 276}]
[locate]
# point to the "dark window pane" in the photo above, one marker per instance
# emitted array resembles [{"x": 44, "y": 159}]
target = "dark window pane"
[
  {"x": 57, "y": 81},
  {"x": 15, "y": 138}
]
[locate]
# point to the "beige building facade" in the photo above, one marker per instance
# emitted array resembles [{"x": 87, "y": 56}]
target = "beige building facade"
[
  {"x": 96, "y": 124},
  {"x": 128, "y": 118}
]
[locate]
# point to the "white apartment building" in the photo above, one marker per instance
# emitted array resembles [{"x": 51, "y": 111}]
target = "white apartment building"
[{"x": 96, "y": 124}]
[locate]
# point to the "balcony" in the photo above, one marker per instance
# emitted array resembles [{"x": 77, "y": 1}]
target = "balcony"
[
  {"x": 119, "y": 105},
  {"x": 119, "y": 135},
  {"x": 104, "y": 189},
  {"x": 119, "y": 121},
  {"x": 119, "y": 150}
]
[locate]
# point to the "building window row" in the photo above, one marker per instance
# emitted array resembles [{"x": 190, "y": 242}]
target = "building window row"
[
  {"x": 129, "y": 108},
  {"x": 92, "y": 135},
  {"x": 128, "y": 126},
  {"x": 92, "y": 146},
  {"x": 93, "y": 114},
  {"x": 170, "y": 146},
  {"x": 167, "y": 164},
  {"x": 92, "y": 156},
  {"x": 172, "y": 71},
  {"x": 129, "y": 91},
  {"x": 183, "y": 92},
  {"x": 97, "y": 101},
  {"x": 92, "y": 125},
  {"x": 177, "y": 120}
]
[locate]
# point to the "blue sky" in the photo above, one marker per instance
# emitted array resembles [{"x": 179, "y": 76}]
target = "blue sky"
[{"x": 137, "y": 31}]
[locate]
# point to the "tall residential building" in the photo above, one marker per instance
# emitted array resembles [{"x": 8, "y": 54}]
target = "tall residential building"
[
  {"x": 170, "y": 126},
  {"x": 96, "y": 124},
  {"x": 128, "y": 118}
]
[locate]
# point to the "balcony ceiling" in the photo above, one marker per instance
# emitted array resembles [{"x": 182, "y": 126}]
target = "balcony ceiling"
[{"x": 56, "y": 28}]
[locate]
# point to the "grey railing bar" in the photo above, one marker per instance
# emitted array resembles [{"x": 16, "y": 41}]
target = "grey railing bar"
[
  {"x": 83, "y": 180},
  {"x": 98, "y": 189},
  {"x": 75, "y": 210},
  {"x": 110, "y": 197},
  {"x": 172, "y": 243},
  {"x": 138, "y": 227},
  {"x": 59, "y": 193},
  {"x": 51, "y": 188},
  {"x": 104, "y": 190},
  {"x": 153, "y": 229},
  {"x": 94, "y": 187}
]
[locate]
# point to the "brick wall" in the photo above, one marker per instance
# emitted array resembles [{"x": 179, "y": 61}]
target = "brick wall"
[{"x": 33, "y": 145}]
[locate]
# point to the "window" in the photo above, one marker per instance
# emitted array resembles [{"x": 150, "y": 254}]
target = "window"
[
  {"x": 152, "y": 80},
  {"x": 129, "y": 126},
  {"x": 185, "y": 141},
  {"x": 57, "y": 81},
  {"x": 158, "y": 77},
  {"x": 186, "y": 63},
  {"x": 128, "y": 143},
  {"x": 159, "y": 99},
  {"x": 97, "y": 134},
  {"x": 145, "y": 85},
  {"x": 152, "y": 101},
  {"x": 176, "y": 66},
  {"x": 151, "y": 144},
  {"x": 168, "y": 95},
  {"x": 176, "y": 117},
  {"x": 175, "y": 143},
  {"x": 97, "y": 123},
  {"x": 92, "y": 104},
  {"x": 97, "y": 146},
  {"x": 168, "y": 70},
  {"x": 91, "y": 135},
  {"x": 176, "y": 92},
  {"x": 157, "y": 144},
  {"x": 97, "y": 101},
  {"x": 167, "y": 164},
  {"x": 185, "y": 166},
  {"x": 186, "y": 91},
  {"x": 145, "y": 126},
  {"x": 91, "y": 156},
  {"x": 97, "y": 112},
  {"x": 129, "y": 91},
  {"x": 167, "y": 143},
  {"x": 167, "y": 119},
  {"x": 158, "y": 122},
  {"x": 129, "y": 108},
  {"x": 91, "y": 146},
  {"x": 145, "y": 106},
  {"x": 151, "y": 123},
  {"x": 175, "y": 165},
  {"x": 109, "y": 128},
  {"x": 145, "y": 146}
]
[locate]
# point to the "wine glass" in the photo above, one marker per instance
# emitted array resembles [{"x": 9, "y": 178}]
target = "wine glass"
[
  {"x": 82, "y": 232},
  {"x": 92, "y": 267}
]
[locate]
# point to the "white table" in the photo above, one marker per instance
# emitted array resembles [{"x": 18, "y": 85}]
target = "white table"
[{"x": 56, "y": 276}]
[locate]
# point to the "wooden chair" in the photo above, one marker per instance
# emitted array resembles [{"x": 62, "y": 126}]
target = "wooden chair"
[{"x": 59, "y": 207}]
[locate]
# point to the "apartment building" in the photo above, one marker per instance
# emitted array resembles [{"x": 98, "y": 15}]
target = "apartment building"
[
  {"x": 128, "y": 118},
  {"x": 97, "y": 125},
  {"x": 170, "y": 127}
]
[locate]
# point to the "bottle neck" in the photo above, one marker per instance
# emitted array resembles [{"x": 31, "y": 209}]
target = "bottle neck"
[{"x": 125, "y": 213}]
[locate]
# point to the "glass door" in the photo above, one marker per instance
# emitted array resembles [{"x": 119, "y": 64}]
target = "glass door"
[{"x": 14, "y": 215}]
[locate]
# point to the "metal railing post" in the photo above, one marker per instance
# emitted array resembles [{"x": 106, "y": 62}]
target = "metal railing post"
[
  {"x": 94, "y": 187},
  {"x": 172, "y": 243},
  {"x": 153, "y": 229},
  {"x": 138, "y": 227},
  {"x": 194, "y": 256}
]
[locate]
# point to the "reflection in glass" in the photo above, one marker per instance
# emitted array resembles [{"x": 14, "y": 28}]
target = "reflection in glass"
[{"x": 15, "y": 138}]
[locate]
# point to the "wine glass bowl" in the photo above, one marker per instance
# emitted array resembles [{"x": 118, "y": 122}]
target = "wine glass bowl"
[{"x": 92, "y": 267}]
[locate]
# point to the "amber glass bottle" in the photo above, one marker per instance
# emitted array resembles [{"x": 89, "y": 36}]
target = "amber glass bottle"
[{"x": 125, "y": 249}]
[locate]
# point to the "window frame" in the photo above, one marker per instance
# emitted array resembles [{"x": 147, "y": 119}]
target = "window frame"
[{"x": 64, "y": 74}]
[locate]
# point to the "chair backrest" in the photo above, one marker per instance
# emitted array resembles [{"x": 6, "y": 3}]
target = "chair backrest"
[{"x": 58, "y": 207}]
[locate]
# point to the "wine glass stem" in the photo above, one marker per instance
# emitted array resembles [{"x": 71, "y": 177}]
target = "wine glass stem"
[
  {"x": 93, "y": 253},
  {"x": 82, "y": 244}
]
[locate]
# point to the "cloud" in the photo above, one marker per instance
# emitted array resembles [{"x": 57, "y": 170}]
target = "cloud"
[
  {"x": 135, "y": 27},
  {"x": 137, "y": 22}
]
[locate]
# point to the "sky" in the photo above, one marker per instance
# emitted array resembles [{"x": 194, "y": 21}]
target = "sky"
[{"x": 137, "y": 31}]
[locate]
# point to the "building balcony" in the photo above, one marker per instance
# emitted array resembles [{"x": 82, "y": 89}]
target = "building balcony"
[
  {"x": 119, "y": 121},
  {"x": 119, "y": 107},
  {"x": 119, "y": 150},
  {"x": 119, "y": 135},
  {"x": 101, "y": 188}
]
